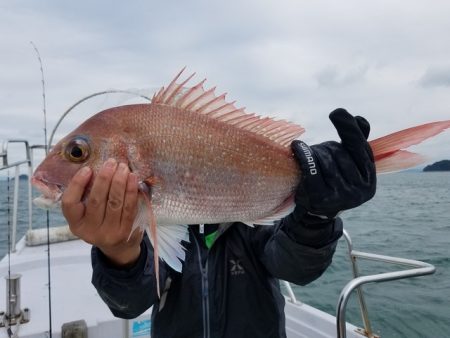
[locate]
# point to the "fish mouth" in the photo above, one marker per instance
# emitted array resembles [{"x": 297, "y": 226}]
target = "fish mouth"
[{"x": 51, "y": 192}]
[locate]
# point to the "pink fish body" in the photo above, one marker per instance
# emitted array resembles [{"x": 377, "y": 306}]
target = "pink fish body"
[
  {"x": 200, "y": 160},
  {"x": 199, "y": 169}
]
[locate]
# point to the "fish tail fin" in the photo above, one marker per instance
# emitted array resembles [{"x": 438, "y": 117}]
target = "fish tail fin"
[{"x": 389, "y": 150}]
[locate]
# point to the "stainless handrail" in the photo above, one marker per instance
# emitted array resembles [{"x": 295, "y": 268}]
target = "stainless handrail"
[
  {"x": 291, "y": 293},
  {"x": 418, "y": 269},
  {"x": 6, "y": 165},
  {"x": 359, "y": 292}
]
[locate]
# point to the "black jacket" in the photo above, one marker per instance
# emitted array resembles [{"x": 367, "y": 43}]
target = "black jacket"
[{"x": 230, "y": 290}]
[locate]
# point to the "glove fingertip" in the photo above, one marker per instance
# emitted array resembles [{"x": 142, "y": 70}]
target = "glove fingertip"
[
  {"x": 295, "y": 143},
  {"x": 338, "y": 114},
  {"x": 364, "y": 125}
]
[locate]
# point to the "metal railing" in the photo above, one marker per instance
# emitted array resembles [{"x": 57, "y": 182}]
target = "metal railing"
[
  {"x": 418, "y": 269},
  {"x": 291, "y": 294},
  {"x": 4, "y": 165}
]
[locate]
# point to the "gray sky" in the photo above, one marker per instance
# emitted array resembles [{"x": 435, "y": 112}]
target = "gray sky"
[{"x": 298, "y": 60}]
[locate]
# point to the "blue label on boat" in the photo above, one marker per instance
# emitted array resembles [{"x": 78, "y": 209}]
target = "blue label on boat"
[{"x": 141, "y": 328}]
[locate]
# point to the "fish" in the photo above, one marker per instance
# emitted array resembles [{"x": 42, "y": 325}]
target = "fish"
[{"x": 200, "y": 160}]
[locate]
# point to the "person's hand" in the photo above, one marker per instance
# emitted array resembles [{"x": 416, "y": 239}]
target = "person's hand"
[
  {"x": 105, "y": 220},
  {"x": 336, "y": 176}
]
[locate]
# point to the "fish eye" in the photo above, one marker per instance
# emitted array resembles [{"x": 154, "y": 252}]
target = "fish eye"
[{"x": 77, "y": 150}]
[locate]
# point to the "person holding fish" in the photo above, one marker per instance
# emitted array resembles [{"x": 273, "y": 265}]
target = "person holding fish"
[
  {"x": 228, "y": 286},
  {"x": 230, "y": 203}
]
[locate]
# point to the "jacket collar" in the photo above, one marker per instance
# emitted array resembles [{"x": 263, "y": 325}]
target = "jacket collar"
[
  {"x": 220, "y": 231},
  {"x": 222, "y": 228}
]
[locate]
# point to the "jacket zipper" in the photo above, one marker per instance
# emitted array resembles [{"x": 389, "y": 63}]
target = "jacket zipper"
[{"x": 205, "y": 293}]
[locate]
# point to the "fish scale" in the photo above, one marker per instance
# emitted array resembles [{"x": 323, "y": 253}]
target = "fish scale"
[{"x": 220, "y": 171}]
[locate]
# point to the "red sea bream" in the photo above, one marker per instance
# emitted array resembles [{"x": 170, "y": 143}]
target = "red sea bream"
[{"x": 199, "y": 160}]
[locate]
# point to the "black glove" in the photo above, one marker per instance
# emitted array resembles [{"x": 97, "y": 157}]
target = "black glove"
[{"x": 336, "y": 176}]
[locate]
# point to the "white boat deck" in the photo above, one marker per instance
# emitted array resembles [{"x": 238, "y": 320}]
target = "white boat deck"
[
  {"x": 72, "y": 294},
  {"x": 74, "y": 298}
]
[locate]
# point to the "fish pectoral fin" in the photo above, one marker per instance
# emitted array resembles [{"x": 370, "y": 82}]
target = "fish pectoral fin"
[
  {"x": 141, "y": 220},
  {"x": 151, "y": 181},
  {"x": 146, "y": 186},
  {"x": 151, "y": 186},
  {"x": 282, "y": 211}
]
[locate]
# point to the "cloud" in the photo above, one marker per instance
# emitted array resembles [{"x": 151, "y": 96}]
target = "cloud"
[
  {"x": 333, "y": 76},
  {"x": 288, "y": 59},
  {"x": 436, "y": 77}
]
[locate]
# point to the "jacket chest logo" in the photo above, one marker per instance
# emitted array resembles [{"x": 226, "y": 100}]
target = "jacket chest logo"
[{"x": 236, "y": 267}]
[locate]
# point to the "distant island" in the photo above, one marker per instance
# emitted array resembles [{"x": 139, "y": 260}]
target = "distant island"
[{"x": 443, "y": 165}]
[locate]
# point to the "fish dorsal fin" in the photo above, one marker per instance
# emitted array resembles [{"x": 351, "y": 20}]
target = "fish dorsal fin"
[{"x": 203, "y": 101}]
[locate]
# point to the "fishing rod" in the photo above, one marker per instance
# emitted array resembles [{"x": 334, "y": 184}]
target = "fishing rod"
[
  {"x": 47, "y": 212},
  {"x": 9, "y": 248}
]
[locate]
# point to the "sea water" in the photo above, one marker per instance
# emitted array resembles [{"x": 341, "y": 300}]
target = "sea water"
[
  {"x": 6, "y": 213},
  {"x": 409, "y": 217}
]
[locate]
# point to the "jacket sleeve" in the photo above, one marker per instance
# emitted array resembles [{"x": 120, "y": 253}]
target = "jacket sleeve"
[
  {"x": 300, "y": 247},
  {"x": 123, "y": 289}
]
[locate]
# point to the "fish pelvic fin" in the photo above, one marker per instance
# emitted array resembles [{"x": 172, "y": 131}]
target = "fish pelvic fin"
[
  {"x": 389, "y": 150},
  {"x": 151, "y": 231},
  {"x": 203, "y": 101},
  {"x": 282, "y": 211},
  {"x": 165, "y": 239}
]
